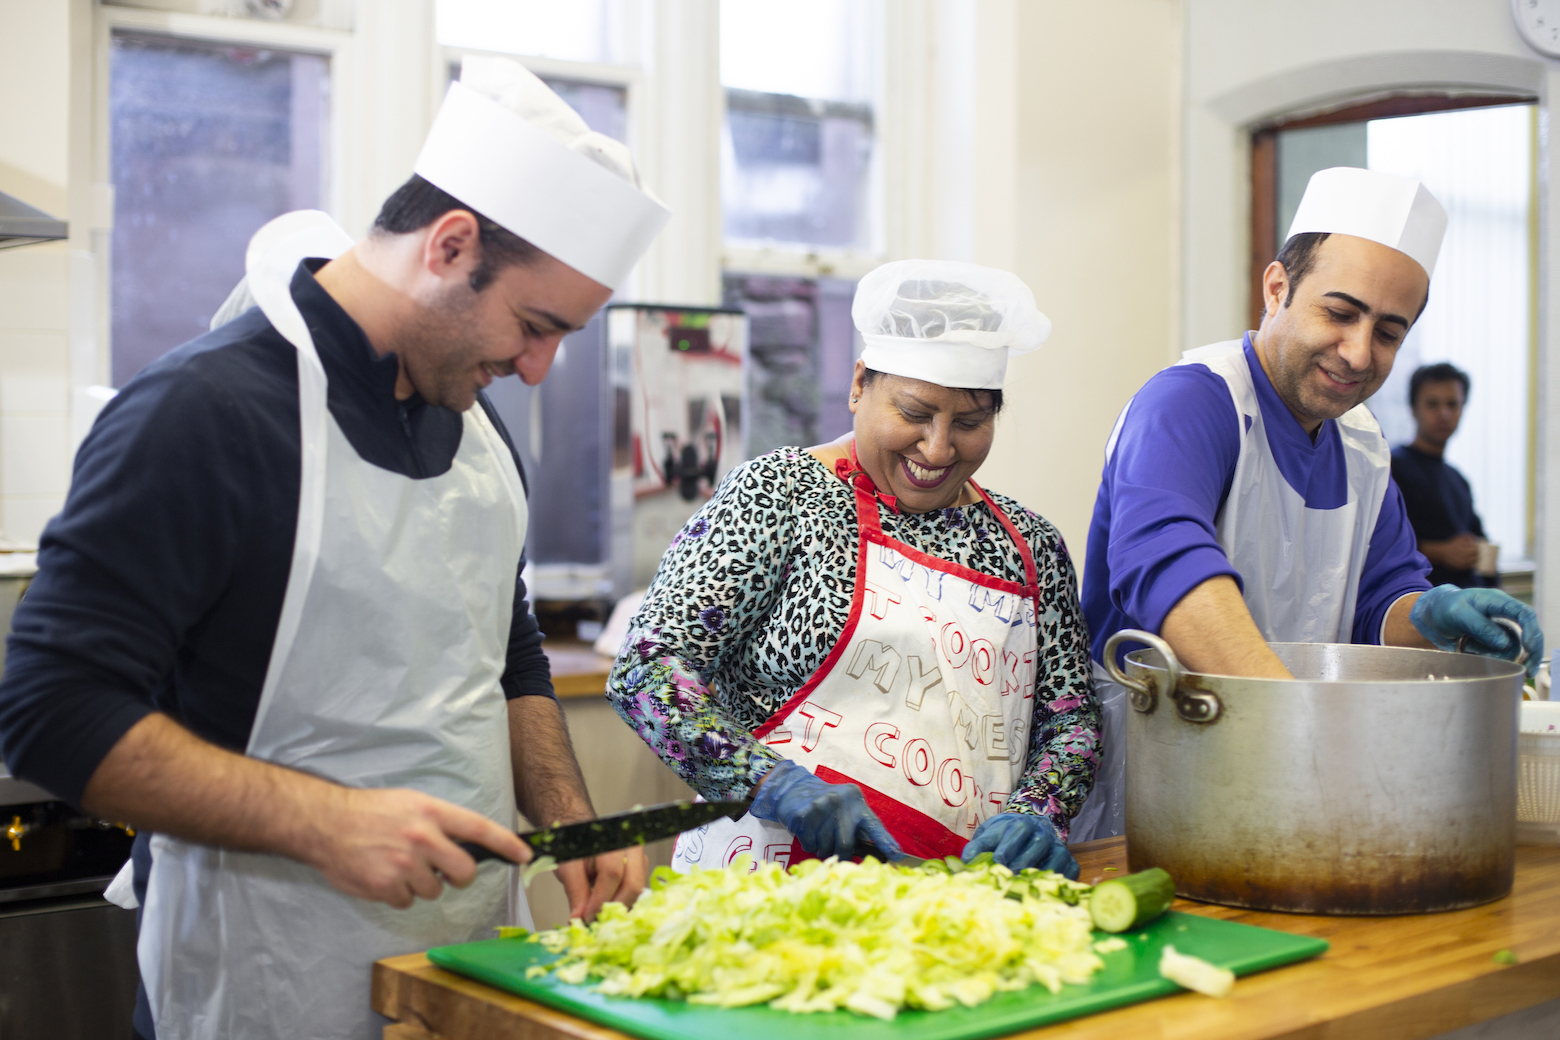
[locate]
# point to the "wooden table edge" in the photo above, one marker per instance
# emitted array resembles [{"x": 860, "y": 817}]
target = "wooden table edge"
[{"x": 412, "y": 988}]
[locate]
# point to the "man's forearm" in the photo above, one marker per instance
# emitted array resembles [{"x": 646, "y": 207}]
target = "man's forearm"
[
  {"x": 1399, "y": 630},
  {"x": 163, "y": 778},
  {"x": 1211, "y": 631},
  {"x": 392, "y": 845},
  {"x": 548, "y": 784}
]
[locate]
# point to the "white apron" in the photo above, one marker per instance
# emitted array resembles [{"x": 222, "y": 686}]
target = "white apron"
[
  {"x": 924, "y": 703},
  {"x": 1300, "y": 567},
  {"x": 385, "y": 673}
]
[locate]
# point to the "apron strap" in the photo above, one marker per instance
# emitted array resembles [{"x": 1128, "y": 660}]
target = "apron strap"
[
  {"x": 868, "y": 517},
  {"x": 1031, "y": 573}
]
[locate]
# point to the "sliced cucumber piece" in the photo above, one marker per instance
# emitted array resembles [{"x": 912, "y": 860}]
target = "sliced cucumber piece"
[{"x": 1128, "y": 902}]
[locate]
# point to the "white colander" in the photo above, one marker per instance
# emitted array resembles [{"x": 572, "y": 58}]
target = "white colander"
[{"x": 1538, "y": 774}]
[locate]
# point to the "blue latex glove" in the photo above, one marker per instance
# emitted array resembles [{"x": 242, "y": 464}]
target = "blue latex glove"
[
  {"x": 1446, "y": 613},
  {"x": 1021, "y": 840},
  {"x": 826, "y": 818}
]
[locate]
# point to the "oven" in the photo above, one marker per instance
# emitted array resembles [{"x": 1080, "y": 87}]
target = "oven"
[{"x": 67, "y": 956}]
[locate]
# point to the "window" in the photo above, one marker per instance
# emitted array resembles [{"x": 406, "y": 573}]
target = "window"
[
  {"x": 797, "y": 147},
  {"x": 208, "y": 141},
  {"x": 1478, "y": 164},
  {"x": 1476, "y": 155}
]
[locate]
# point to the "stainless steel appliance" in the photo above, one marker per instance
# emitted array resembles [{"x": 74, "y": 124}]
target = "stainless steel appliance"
[
  {"x": 1379, "y": 780},
  {"x": 638, "y": 419}
]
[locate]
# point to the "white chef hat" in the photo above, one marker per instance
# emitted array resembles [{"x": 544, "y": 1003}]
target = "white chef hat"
[
  {"x": 1396, "y": 211},
  {"x": 507, "y": 146},
  {"x": 948, "y": 323}
]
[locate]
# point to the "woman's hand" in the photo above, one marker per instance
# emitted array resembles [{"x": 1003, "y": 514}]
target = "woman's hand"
[
  {"x": 1021, "y": 840},
  {"x": 828, "y": 819}
]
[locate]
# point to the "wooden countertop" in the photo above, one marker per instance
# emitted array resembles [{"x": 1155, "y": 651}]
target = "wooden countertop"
[
  {"x": 1404, "y": 977},
  {"x": 577, "y": 670}
]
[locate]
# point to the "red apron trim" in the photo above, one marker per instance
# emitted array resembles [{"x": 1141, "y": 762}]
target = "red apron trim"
[
  {"x": 1030, "y": 571},
  {"x": 800, "y": 696},
  {"x": 974, "y": 577},
  {"x": 850, "y": 471},
  {"x": 871, "y": 532},
  {"x": 918, "y": 834}
]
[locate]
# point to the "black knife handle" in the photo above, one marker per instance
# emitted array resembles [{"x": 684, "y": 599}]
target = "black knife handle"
[{"x": 481, "y": 853}]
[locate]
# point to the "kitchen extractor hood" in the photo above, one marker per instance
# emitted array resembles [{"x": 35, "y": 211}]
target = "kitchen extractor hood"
[{"x": 21, "y": 224}]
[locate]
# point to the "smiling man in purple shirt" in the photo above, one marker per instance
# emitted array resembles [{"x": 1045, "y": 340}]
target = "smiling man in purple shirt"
[{"x": 1247, "y": 493}]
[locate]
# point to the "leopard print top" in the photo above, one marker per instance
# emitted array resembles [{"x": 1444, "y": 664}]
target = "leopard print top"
[{"x": 754, "y": 592}]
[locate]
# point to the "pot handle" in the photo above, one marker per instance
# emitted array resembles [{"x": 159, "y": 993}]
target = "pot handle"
[
  {"x": 1511, "y": 626},
  {"x": 1193, "y": 707}
]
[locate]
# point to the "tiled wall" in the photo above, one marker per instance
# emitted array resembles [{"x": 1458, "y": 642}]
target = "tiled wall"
[
  {"x": 34, "y": 388},
  {"x": 34, "y": 279}
]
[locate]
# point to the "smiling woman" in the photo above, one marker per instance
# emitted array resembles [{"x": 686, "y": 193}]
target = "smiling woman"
[{"x": 861, "y": 638}]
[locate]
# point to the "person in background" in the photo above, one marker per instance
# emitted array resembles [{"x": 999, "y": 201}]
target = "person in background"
[
  {"x": 1437, "y": 496},
  {"x": 862, "y": 640}
]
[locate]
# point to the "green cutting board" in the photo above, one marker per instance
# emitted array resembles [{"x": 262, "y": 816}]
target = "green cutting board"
[{"x": 1129, "y": 976}]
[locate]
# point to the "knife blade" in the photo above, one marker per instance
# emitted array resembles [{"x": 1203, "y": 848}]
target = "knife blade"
[
  {"x": 617, "y": 831},
  {"x": 865, "y": 847}
]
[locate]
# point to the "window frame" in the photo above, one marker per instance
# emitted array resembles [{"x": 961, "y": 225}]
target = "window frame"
[
  {"x": 335, "y": 45},
  {"x": 802, "y": 260}
]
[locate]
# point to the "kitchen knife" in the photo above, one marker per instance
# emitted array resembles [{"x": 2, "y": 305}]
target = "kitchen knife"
[
  {"x": 864, "y": 847},
  {"x": 618, "y": 831}
]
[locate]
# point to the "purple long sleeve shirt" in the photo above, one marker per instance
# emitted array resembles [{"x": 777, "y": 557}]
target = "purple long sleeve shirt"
[{"x": 1152, "y": 538}]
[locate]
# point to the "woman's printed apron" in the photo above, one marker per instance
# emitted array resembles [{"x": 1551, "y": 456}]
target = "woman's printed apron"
[
  {"x": 1300, "y": 567},
  {"x": 385, "y": 673},
  {"x": 924, "y": 703}
]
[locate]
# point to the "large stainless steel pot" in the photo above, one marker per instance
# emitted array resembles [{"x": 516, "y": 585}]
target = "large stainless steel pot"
[{"x": 1379, "y": 780}]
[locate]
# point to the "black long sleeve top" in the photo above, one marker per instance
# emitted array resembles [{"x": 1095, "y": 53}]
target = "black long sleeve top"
[{"x": 160, "y": 585}]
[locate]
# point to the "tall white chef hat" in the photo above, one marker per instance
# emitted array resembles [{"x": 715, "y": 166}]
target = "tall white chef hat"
[
  {"x": 948, "y": 323},
  {"x": 1396, "y": 211},
  {"x": 504, "y": 144}
]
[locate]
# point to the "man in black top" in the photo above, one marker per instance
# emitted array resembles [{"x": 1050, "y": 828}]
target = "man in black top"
[
  {"x": 294, "y": 777},
  {"x": 1437, "y": 496}
]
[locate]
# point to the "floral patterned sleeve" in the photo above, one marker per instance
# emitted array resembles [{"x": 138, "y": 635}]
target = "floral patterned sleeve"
[
  {"x": 1064, "y": 742},
  {"x": 714, "y": 587}
]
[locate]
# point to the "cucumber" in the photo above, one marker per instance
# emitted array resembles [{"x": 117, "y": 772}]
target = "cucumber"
[{"x": 1127, "y": 902}]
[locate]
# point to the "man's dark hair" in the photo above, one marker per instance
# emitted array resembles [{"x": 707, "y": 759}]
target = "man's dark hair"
[
  {"x": 1441, "y": 372},
  {"x": 869, "y": 376},
  {"x": 1298, "y": 257},
  {"x": 416, "y": 204}
]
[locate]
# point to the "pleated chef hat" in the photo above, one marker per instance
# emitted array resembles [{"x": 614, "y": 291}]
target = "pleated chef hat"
[
  {"x": 504, "y": 144},
  {"x": 948, "y": 323},
  {"x": 1396, "y": 211}
]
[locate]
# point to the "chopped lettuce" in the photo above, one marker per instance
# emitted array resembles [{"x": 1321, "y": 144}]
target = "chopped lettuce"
[{"x": 868, "y": 937}]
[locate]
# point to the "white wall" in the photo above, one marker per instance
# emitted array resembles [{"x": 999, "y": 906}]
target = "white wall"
[
  {"x": 1247, "y": 61},
  {"x": 35, "y": 284},
  {"x": 1076, "y": 190}
]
